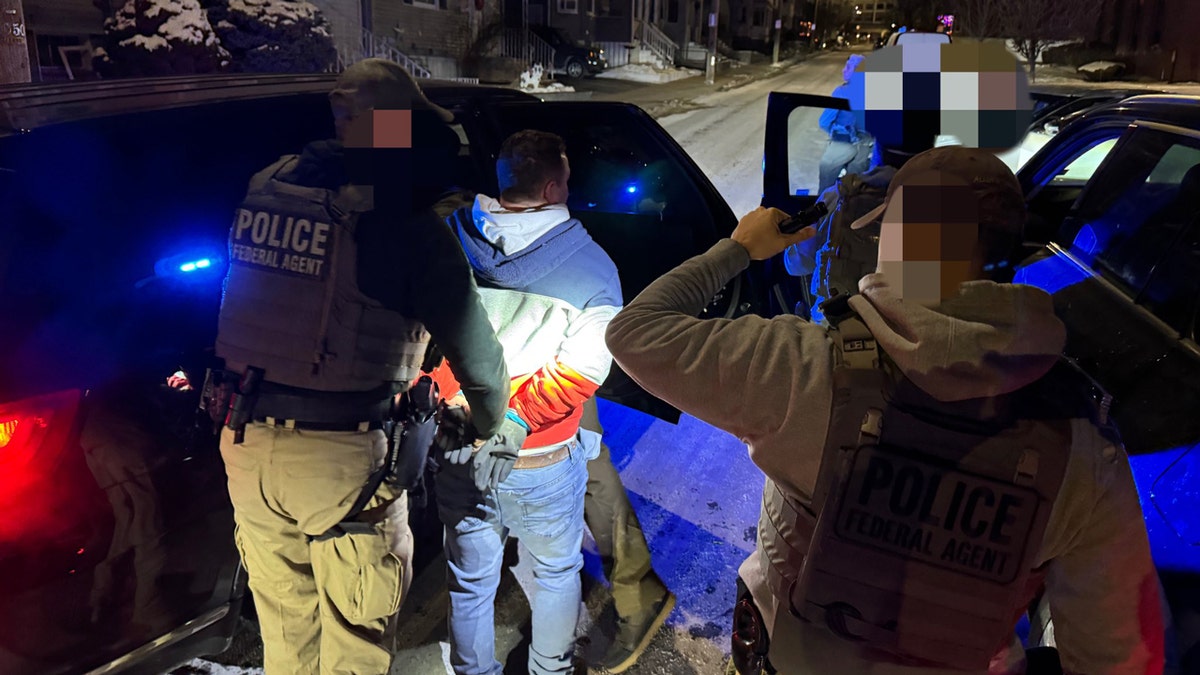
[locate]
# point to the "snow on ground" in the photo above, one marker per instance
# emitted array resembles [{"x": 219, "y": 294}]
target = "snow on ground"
[
  {"x": 201, "y": 667},
  {"x": 548, "y": 88},
  {"x": 1062, "y": 75},
  {"x": 640, "y": 72}
]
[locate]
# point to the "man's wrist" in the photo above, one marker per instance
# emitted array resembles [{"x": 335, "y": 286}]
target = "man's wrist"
[{"x": 513, "y": 417}]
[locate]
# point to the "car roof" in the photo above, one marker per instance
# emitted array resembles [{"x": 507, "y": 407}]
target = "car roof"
[
  {"x": 1172, "y": 109},
  {"x": 921, "y": 36},
  {"x": 30, "y": 106}
]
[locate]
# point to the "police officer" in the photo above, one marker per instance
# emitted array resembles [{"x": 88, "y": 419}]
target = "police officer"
[
  {"x": 338, "y": 268},
  {"x": 850, "y": 146},
  {"x": 931, "y": 462}
]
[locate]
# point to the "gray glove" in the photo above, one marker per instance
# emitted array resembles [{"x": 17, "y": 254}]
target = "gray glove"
[
  {"x": 495, "y": 460},
  {"x": 455, "y": 434}
]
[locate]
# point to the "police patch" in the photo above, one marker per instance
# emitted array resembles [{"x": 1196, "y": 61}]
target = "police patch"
[
  {"x": 937, "y": 515},
  {"x": 279, "y": 242}
]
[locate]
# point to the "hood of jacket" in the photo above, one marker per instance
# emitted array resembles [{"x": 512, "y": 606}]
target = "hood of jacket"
[
  {"x": 513, "y": 249},
  {"x": 989, "y": 340},
  {"x": 321, "y": 165}
]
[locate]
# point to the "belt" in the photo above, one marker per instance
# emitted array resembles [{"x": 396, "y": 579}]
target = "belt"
[
  {"x": 320, "y": 426},
  {"x": 543, "y": 460}
]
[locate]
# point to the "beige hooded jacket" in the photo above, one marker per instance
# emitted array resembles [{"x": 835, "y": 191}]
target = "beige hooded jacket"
[{"x": 769, "y": 382}]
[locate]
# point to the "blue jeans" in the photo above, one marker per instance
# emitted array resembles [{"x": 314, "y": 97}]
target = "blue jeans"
[{"x": 544, "y": 509}]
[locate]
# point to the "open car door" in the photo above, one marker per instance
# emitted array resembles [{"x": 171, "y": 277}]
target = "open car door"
[
  {"x": 792, "y": 150},
  {"x": 638, "y": 193}
]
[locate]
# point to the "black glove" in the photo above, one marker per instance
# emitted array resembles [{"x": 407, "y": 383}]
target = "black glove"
[
  {"x": 495, "y": 460},
  {"x": 455, "y": 434}
]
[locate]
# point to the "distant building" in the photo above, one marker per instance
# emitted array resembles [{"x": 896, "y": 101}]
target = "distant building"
[
  {"x": 61, "y": 35},
  {"x": 1157, "y": 38}
]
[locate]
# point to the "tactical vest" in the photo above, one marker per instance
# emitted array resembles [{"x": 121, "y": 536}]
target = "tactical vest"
[
  {"x": 850, "y": 254},
  {"x": 928, "y": 515},
  {"x": 292, "y": 305}
]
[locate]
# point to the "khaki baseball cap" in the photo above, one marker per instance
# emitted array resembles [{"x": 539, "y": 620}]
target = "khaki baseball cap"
[
  {"x": 382, "y": 85},
  {"x": 1001, "y": 200}
]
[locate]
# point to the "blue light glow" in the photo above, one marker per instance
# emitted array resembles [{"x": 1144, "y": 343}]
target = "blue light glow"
[
  {"x": 1051, "y": 274},
  {"x": 194, "y": 265},
  {"x": 631, "y": 189}
]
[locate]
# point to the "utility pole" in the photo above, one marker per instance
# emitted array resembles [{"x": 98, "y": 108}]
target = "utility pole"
[
  {"x": 14, "y": 48},
  {"x": 778, "y": 30},
  {"x": 710, "y": 68}
]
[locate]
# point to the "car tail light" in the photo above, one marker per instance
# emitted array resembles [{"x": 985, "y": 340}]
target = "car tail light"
[{"x": 33, "y": 428}]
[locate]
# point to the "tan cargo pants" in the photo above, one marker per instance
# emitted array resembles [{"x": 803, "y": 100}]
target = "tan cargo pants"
[{"x": 328, "y": 606}]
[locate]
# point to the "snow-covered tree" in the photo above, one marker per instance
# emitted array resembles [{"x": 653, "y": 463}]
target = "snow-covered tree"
[
  {"x": 159, "y": 37},
  {"x": 273, "y": 36}
]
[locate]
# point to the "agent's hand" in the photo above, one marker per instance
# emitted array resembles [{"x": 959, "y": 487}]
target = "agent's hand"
[
  {"x": 495, "y": 460},
  {"x": 179, "y": 381},
  {"x": 455, "y": 434},
  {"x": 758, "y": 232}
]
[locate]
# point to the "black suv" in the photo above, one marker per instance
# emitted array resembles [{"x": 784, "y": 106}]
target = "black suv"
[
  {"x": 570, "y": 58},
  {"x": 116, "y": 547}
]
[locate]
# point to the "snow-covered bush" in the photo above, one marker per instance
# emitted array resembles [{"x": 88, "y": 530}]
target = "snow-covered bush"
[
  {"x": 273, "y": 36},
  {"x": 159, "y": 37}
]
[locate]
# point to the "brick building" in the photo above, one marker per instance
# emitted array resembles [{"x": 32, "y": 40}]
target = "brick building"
[{"x": 1156, "y": 38}]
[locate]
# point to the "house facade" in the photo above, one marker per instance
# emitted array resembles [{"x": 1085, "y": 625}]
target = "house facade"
[
  {"x": 61, "y": 35},
  {"x": 1156, "y": 38}
]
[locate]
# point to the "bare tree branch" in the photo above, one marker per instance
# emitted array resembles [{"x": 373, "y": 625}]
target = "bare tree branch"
[{"x": 1033, "y": 24}]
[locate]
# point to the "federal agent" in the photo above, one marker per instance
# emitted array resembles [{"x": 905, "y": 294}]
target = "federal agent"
[
  {"x": 850, "y": 146},
  {"x": 322, "y": 327},
  {"x": 931, "y": 461}
]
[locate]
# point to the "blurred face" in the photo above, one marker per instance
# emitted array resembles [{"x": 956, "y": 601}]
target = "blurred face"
[{"x": 928, "y": 244}]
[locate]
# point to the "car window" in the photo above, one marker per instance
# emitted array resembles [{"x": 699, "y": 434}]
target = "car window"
[
  {"x": 636, "y": 197},
  {"x": 1081, "y": 169},
  {"x": 78, "y": 288},
  {"x": 1173, "y": 294},
  {"x": 1140, "y": 207}
]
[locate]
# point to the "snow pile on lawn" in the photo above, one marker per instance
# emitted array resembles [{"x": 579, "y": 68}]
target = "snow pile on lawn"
[
  {"x": 641, "y": 72},
  {"x": 548, "y": 88},
  {"x": 159, "y": 37},
  {"x": 532, "y": 82}
]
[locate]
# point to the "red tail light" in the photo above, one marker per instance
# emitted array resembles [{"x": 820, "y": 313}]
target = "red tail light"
[{"x": 33, "y": 428}]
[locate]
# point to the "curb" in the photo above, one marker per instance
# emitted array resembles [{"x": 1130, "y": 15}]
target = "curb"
[{"x": 768, "y": 72}]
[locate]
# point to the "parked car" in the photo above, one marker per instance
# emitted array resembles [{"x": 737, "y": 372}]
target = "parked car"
[
  {"x": 116, "y": 546},
  {"x": 908, "y": 37},
  {"x": 571, "y": 58},
  {"x": 1114, "y": 236},
  {"x": 1054, "y": 108}
]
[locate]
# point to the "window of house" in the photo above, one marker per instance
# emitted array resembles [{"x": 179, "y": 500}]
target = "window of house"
[
  {"x": 673, "y": 11},
  {"x": 743, "y": 14},
  {"x": 428, "y": 4},
  {"x": 568, "y": 6},
  {"x": 759, "y": 16}
]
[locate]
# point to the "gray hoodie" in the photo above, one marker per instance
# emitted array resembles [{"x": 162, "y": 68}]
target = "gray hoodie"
[{"x": 769, "y": 382}]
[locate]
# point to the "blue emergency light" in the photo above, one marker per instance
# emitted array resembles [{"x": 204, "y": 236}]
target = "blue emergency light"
[{"x": 195, "y": 265}]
